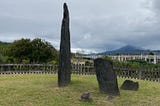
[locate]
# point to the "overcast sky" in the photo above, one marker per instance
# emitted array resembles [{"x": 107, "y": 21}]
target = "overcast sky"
[{"x": 96, "y": 25}]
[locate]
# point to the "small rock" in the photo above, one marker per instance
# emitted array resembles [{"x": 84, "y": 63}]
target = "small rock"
[
  {"x": 130, "y": 85},
  {"x": 110, "y": 97},
  {"x": 86, "y": 97}
]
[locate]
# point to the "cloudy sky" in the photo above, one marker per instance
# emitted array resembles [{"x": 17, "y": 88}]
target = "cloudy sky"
[{"x": 96, "y": 25}]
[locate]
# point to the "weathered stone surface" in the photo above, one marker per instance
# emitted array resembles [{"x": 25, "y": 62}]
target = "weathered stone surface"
[
  {"x": 130, "y": 85},
  {"x": 106, "y": 77},
  {"x": 64, "y": 71},
  {"x": 110, "y": 97},
  {"x": 86, "y": 97}
]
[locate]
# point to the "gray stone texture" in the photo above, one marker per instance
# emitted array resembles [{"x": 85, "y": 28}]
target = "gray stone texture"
[
  {"x": 106, "y": 77},
  {"x": 64, "y": 71},
  {"x": 86, "y": 96},
  {"x": 130, "y": 85}
]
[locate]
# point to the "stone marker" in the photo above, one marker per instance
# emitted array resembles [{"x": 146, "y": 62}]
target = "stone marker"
[
  {"x": 64, "y": 70},
  {"x": 130, "y": 85},
  {"x": 106, "y": 76},
  {"x": 86, "y": 97}
]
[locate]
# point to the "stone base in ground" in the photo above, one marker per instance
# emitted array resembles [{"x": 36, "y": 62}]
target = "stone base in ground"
[{"x": 130, "y": 85}]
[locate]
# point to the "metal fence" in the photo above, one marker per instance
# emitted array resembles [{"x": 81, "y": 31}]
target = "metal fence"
[
  {"x": 83, "y": 70},
  {"x": 27, "y": 68},
  {"x": 151, "y": 74},
  {"x": 42, "y": 69}
]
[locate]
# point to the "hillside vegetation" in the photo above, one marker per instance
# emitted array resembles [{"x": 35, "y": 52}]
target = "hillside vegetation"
[
  {"x": 28, "y": 51},
  {"x": 4, "y": 48}
]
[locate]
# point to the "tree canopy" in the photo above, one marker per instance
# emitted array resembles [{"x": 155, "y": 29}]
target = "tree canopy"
[{"x": 33, "y": 51}]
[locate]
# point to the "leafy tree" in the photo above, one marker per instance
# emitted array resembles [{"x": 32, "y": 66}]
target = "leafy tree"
[
  {"x": 33, "y": 51},
  {"x": 42, "y": 51},
  {"x": 4, "y": 47},
  {"x": 21, "y": 49}
]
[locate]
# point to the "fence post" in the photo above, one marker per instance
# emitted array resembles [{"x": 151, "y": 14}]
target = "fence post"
[{"x": 140, "y": 73}]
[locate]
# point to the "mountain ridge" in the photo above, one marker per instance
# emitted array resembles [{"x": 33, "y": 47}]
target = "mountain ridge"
[{"x": 128, "y": 49}]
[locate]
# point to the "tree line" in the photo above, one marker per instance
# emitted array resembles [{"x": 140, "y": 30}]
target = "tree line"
[
  {"x": 137, "y": 63},
  {"x": 28, "y": 51}
]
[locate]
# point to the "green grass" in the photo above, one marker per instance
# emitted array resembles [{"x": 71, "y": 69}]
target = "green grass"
[{"x": 42, "y": 90}]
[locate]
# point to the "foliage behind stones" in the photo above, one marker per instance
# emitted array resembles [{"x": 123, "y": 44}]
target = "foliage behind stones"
[{"x": 32, "y": 51}]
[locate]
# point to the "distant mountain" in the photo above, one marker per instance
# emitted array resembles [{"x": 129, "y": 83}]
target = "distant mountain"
[{"x": 128, "y": 49}]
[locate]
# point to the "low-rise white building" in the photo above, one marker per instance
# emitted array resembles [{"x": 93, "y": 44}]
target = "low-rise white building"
[{"x": 149, "y": 58}]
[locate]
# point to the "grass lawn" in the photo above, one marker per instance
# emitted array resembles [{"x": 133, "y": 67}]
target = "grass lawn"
[{"x": 42, "y": 90}]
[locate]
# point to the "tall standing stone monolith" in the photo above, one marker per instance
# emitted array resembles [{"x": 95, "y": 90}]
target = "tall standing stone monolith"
[
  {"x": 106, "y": 76},
  {"x": 64, "y": 71}
]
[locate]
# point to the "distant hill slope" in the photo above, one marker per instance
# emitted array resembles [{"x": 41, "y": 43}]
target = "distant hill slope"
[{"x": 128, "y": 49}]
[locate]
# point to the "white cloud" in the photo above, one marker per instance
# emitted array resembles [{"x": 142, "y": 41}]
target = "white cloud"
[{"x": 95, "y": 25}]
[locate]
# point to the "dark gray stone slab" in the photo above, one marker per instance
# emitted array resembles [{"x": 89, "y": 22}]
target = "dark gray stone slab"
[
  {"x": 130, "y": 85},
  {"x": 106, "y": 77},
  {"x": 64, "y": 71}
]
